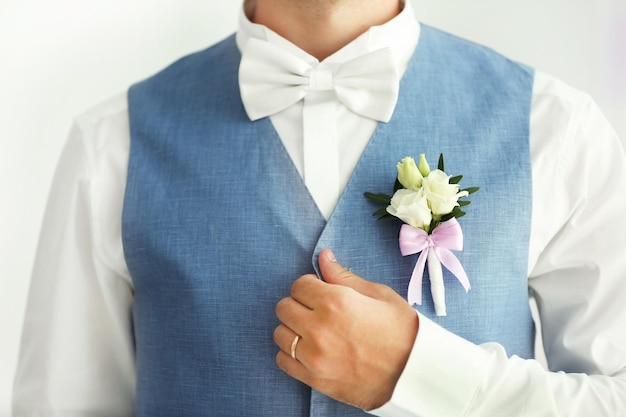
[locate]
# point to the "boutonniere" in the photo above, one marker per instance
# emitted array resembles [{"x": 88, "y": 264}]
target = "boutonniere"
[{"x": 429, "y": 203}]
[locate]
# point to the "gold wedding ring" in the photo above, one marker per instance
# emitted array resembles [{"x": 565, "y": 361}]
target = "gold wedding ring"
[{"x": 294, "y": 344}]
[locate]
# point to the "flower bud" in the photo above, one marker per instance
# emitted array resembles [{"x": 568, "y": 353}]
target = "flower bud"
[
  {"x": 408, "y": 174},
  {"x": 423, "y": 166}
]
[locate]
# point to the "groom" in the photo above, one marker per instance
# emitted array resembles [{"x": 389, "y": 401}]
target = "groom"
[{"x": 249, "y": 160}]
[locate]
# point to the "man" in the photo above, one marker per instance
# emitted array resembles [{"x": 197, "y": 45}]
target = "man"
[{"x": 189, "y": 213}]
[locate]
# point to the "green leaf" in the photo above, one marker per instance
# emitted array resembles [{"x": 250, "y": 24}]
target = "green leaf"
[
  {"x": 380, "y": 212},
  {"x": 471, "y": 190},
  {"x": 457, "y": 212},
  {"x": 456, "y": 180},
  {"x": 397, "y": 185},
  {"x": 386, "y": 216},
  {"x": 447, "y": 217},
  {"x": 381, "y": 198},
  {"x": 463, "y": 203},
  {"x": 440, "y": 164}
]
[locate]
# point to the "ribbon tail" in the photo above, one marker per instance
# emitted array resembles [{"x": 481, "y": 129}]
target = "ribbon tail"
[
  {"x": 453, "y": 264},
  {"x": 415, "y": 284},
  {"x": 437, "y": 287}
]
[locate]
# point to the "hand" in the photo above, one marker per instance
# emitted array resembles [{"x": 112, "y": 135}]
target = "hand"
[{"x": 355, "y": 335}]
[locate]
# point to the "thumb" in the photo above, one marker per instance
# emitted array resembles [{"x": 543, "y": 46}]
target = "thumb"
[{"x": 335, "y": 273}]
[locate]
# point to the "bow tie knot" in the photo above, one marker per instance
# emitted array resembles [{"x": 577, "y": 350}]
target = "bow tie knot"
[
  {"x": 321, "y": 79},
  {"x": 271, "y": 79}
]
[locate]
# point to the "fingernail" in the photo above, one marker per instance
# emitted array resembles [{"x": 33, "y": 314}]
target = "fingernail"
[{"x": 330, "y": 256}]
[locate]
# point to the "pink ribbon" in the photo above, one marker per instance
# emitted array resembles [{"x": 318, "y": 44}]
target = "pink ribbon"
[{"x": 445, "y": 237}]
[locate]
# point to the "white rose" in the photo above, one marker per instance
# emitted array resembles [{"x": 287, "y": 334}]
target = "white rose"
[
  {"x": 411, "y": 207},
  {"x": 441, "y": 195},
  {"x": 408, "y": 173}
]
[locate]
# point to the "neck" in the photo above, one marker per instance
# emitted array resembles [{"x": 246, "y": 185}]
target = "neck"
[{"x": 322, "y": 27}]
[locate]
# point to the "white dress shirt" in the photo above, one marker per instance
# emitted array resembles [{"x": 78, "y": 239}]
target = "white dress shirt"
[
  {"x": 77, "y": 356},
  {"x": 353, "y": 130}
]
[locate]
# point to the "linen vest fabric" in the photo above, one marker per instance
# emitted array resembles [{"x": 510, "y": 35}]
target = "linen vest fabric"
[{"x": 217, "y": 223}]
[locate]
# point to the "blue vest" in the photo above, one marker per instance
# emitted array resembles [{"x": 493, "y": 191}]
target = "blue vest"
[{"x": 217, "y": 223}]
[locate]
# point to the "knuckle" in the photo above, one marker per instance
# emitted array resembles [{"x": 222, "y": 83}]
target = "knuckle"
[
  {"x": 319, "y": 336},
  {"x": 384, "y": 290},
  {"x": 317, "y": 365},
  {"x": 345, "y": 274},
  {"x": 301, "y": 283},
  {"x": 281, "y": 306},
  {"x": 338, "y": 300},
  {"x": 281, "y": 362},
  {"x": 276, "y": 334}
]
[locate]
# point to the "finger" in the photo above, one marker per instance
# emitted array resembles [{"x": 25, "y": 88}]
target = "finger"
[
  {"x": 293, "y": 314},
  {"x": 284, "y": 338},
  {"x": 293, "y": 368},
  {"x": 335, "y": 273},
  {"x": 309, "y": 291}
]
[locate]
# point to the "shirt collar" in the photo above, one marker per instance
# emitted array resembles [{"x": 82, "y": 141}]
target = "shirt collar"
[{"x": 401, "y": 34}]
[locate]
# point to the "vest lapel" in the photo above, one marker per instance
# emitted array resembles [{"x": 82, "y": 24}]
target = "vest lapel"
[{"x": 477, "y": 136}]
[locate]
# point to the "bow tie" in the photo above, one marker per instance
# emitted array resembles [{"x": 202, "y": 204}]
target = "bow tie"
[{"x": 271, "y": 80}]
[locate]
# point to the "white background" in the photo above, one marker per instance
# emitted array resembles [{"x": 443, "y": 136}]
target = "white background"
[{"x": 59, "y": 58}]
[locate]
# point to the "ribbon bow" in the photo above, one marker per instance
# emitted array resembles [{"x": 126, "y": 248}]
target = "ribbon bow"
[
  {"x": 271, "y": 79},
  {"x": 444, "y": 238}
]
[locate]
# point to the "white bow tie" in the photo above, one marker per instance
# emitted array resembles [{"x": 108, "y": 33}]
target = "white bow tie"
[{"x": 272, "y": 79}]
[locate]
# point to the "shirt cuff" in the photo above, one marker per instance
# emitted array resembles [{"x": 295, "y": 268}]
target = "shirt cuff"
[{"x": 441, "y": 377}]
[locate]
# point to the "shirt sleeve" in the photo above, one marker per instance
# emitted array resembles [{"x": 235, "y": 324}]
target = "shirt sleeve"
[
  {"x": 577, "y": 276},
  {"x": 77, "y": 353}
]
